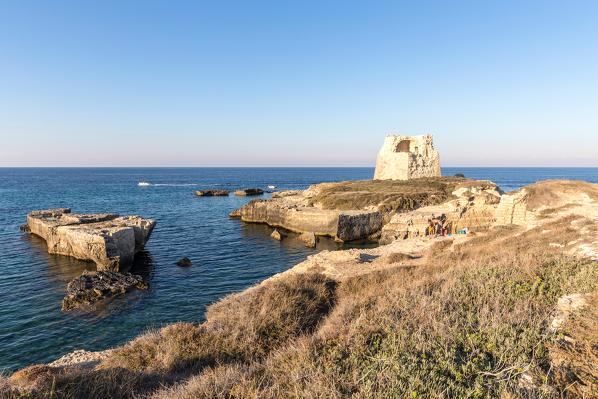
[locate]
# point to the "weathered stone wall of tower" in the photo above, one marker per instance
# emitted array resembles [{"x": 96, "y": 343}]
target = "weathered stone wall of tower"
[{"x": 407, "y": 157}]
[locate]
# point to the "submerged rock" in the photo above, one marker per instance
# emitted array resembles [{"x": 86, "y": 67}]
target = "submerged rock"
[
  {"x": 248, "y": 192},
  {"x": 184, "y": 262},
  {"x": 212, "y": 193},
  {"x": 91, "y": 287},
  {"x": 109, "y": 240}
]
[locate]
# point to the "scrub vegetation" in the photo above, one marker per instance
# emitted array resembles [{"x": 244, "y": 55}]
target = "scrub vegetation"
[
  {"x": 388, "y": 195},
  {"x": 472, "y": 321}
]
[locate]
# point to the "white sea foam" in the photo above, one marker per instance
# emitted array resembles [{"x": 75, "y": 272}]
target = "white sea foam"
[
  {"x": 146, "y": 184},
  {"x": 175, "y": 184}
]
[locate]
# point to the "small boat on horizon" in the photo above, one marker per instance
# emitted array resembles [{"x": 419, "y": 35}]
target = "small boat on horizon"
[
  {"x": 143, "y": 184},
  {"x": 271, "y": 187}
]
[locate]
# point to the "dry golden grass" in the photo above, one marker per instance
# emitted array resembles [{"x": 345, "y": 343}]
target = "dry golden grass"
[
  {"x": 575, "y": 352},
  {"x": 390, "y": 195},
  {"x": 471, "y": 323},
  {"x": 558, "y": 192},
  {"x": 241, "y": 328},
  {"x": 470, "y": 326}
]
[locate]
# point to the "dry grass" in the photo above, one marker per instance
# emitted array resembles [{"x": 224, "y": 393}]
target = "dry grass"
[
  {"x": 558, "y": 192},
  {"x": 116, "y": 383},
  {"x": 575, "y": 352},
  {"x": 389, "y": 195},
  {"x": 241, "y": 328},
  {"x": 469, "y": 327},
  {"x": 472, "y": 323},
  {"x": 399, "y": 257}
]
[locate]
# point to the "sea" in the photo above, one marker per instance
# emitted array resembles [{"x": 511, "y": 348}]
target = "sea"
[{"x": 228, "y": 255}]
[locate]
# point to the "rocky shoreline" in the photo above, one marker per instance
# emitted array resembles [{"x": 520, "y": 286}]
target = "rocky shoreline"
[
  {"x": 362, "y": 210},
  {"x": 559, "y": 217}
]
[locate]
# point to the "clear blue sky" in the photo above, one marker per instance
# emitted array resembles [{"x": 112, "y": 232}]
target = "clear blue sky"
[{"x": 249, "y": 83}]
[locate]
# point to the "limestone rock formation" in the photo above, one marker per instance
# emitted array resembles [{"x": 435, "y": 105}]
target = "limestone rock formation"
[
  {"x": 211, "y": 193},
  {"x": 109, "y": 240},
  {"x": 276, "y": 235},
  {"x": 308, "y": 238},
  {"x": 91, "y": 287},
  {"x": 249, "y": 192},
  {"x": 286, "y": 213},
  {"x": 473, "y": 207},
  {"x": 347, "y": 211},
  {"x": 81, "y": 359},
  {"x": 407, "y": 157},
  {"x": 512, "y": 208}
]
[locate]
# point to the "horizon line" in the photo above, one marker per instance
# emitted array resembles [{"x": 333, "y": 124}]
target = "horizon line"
[{"x": 278, "y": 167}]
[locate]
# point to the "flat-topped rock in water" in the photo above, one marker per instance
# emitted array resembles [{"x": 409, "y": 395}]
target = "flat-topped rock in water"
[
  {"x": 91, "y": 287},
  {"x": 249, "y": 192},
  {"x": 212, "y": 193},
  {"x": 109, "y": 240}
]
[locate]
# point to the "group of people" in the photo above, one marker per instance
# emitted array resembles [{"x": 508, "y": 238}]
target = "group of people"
[{"x": 436, "y": 226}]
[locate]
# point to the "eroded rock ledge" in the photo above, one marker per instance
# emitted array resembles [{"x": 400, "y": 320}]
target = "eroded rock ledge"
[
  {"x": 91, "y": 287},
  {"x": 357, "y": 210},
  {"x": 109, "y": 240}
]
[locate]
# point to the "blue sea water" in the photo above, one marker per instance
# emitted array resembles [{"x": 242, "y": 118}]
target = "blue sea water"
[{"x": 228, "y": 255}]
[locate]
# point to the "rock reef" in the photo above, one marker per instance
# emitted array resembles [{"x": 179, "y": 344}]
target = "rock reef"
[
  {"x": 109, "y": 240},
  {"x": 249, "y": 192},
  {"x": 212, "y": 193},
  {"x": 92, "y": 287}
]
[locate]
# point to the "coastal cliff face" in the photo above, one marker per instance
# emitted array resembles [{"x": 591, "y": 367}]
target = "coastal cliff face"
[
  {"x": 344, "y": 225},
  {"x": 358, "y": 210},
  {"x": 109, "y": 240},
  {"x": 473, "y": 207},
  {"x": 506, "y": 312}
]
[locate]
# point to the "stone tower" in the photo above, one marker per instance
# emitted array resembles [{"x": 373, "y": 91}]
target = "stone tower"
[{"x": 407, "y": 157}]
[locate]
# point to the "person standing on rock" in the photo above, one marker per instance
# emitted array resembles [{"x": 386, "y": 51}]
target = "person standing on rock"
[{"x": 437, "y": 227}]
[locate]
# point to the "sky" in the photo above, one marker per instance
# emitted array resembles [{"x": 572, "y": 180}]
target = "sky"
[{"x": 281, "y": 83}]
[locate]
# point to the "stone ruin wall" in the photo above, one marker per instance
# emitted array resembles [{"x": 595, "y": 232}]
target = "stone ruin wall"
[
  {"x": 512, "y": 209},
  {"x": 407, "y": 157}
]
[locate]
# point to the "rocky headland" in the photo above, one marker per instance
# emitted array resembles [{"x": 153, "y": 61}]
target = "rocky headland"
[
  {"x": 507, "y": 310},
  {"x": 373, "y": 209},
  {"x": 109, "y": 240}
]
